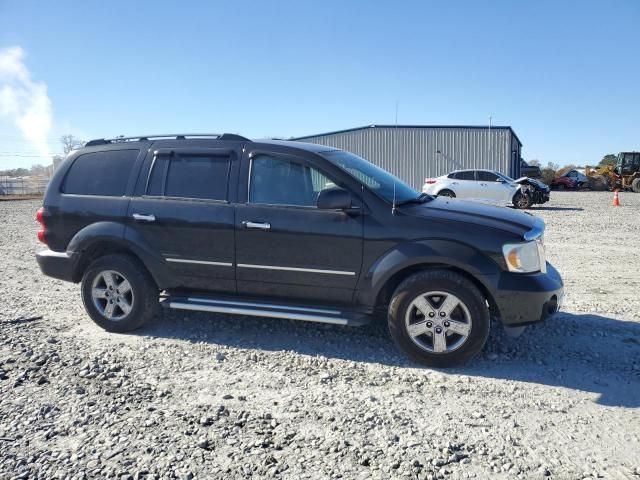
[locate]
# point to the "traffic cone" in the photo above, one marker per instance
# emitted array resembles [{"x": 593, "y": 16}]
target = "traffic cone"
[{"x": 616, "y": 199}]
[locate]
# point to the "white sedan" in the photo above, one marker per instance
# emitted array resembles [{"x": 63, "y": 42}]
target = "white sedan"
[{"x": 486, "y": 186}]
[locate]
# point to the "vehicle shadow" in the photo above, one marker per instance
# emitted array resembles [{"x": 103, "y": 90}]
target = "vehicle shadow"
[
  {"x": 558, "y": 209},
  {"x": 584, "y": 352}
]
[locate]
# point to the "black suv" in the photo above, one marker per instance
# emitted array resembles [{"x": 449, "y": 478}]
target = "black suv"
[{"x": 220, "y": 223}]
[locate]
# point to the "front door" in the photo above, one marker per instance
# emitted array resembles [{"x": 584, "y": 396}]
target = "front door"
[
  {"x": 185, "y": 217},
  {"x": 493, "y": 188},
  {"x": 285, "y": 246}
]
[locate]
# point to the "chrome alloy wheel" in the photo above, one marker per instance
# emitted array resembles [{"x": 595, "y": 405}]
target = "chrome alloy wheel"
[
  {"x": 438, "y": 322},
  {"x": 112, "y": 295}
]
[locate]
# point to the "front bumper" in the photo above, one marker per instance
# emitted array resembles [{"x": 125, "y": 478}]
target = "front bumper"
[
  {"x": 60, "y": 265},
  {"x": 522, "y": 299}
]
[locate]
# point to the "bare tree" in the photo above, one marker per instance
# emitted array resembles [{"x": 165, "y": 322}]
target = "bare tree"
[{"x": 70, "y": 142}]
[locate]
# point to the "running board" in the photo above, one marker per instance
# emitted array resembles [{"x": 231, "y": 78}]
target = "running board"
[{"x": 259, "y": 309}]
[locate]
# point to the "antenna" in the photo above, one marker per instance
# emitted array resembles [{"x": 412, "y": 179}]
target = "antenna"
[{"x": 393, "y": 205}]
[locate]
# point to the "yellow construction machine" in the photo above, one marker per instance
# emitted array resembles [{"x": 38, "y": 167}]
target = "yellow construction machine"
[{"x": 624, "y": 176}]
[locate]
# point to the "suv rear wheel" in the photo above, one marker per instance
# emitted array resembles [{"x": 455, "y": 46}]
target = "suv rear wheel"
[
  {"x": 439, "y": 318},
  {"x": 118, "y": 293}
]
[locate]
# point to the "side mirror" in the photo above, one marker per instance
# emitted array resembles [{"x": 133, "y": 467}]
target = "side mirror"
[
  {"x": 501, "y": 180},
  {"x": 334, "y": 199}
]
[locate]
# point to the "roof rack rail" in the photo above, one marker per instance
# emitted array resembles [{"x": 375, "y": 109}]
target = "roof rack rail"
[{"x": 168, "y": 136}]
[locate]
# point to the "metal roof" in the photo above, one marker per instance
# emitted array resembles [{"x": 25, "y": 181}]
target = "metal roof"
[{"x": 478, "y": 127}]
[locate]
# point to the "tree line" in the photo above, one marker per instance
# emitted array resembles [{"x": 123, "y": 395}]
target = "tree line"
[{"x": 69, "y": 143}]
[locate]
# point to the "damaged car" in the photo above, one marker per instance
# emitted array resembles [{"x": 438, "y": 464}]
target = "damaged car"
[{"x": 488, "y": 186}]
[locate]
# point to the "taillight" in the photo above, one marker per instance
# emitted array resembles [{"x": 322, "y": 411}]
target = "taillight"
[
  {"x": 429, "y": 181},
  {"x": 43, "y": 230}
]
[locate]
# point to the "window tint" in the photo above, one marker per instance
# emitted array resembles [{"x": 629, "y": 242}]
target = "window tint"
[
  {"x": 190, "y": 176},
  {"x": 100, "y": 173},
  {"x": 486, "y": 176},
  {"x": 466, "y": 175},
  {"x": 278, "y": 181}
]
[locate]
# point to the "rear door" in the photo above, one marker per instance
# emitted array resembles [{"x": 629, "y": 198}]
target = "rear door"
[
  {"x": 184, "y": 215},
  {"x": 285, "y": 246},
  {"x": 464, "y": 185}
]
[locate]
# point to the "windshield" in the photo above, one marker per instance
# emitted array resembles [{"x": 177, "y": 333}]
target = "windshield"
[
  {"x": 505, "y": 177},
  {"x": 375, "y": 178}
]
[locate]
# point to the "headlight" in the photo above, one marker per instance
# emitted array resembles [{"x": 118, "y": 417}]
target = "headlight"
[{"x": 525, "y": 257}]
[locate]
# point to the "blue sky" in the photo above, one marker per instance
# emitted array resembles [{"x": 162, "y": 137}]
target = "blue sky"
[{"x": 565, "y": 75}]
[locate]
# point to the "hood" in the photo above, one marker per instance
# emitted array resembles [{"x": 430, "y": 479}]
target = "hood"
[
  {"x": 533, "y": 182},
  {"x": 455, "y": 210}
]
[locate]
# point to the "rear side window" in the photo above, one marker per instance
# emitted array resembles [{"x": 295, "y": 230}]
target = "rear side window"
[
  {"x": 100, "y": 173},
  {"x": 190, "y": 176},
  {"x": 468, "y": 175}
]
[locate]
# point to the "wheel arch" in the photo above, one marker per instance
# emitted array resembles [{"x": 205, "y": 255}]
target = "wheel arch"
[
  {"x": 105, "y": 238},
  {"x": 396, "y": 265},
  {"x": 385, "y": 293}
]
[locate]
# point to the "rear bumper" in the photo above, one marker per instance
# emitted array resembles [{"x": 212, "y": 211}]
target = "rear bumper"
[
  {"x": 529, "y": 298},
  {"x": 60, "y": 265}
]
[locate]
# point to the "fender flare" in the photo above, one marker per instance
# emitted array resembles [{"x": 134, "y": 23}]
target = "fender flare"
[
  {"x": 437, "y": 252},
  {"x": 118, "y": 234}
]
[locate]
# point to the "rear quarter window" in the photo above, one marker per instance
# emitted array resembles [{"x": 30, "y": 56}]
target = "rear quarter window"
[{"x": 100, "y": 173}]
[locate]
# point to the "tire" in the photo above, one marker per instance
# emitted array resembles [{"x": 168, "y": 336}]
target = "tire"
[
  {"x": 438, "y": 289},
  {"x": 522, "y": 201},
  {"x": 635, "y": 185},
  {"x": 446, "y": 193},
  {"x": 134, "y": 307}
]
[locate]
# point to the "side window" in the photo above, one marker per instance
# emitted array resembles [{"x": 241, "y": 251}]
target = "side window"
[
  {"x": 100, "y": 173},
  {"x": 279, "y": 181},
  {"x": 466, "y": 175},
  {"x": 189, "y": 176},
  {"x": 486, "y": 176},
  {"x": 453, "y": 175}
]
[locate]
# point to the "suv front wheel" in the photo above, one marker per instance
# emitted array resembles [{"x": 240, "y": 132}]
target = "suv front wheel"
[
  {"x": 118, "y": 293},
  {"x": 439, "y": 318}
]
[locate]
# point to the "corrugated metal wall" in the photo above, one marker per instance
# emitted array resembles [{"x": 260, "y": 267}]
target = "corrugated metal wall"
[{"x": 415, "y": 153}]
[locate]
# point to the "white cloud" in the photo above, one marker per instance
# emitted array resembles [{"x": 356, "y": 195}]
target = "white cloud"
[{"x": 23, "y": 100}]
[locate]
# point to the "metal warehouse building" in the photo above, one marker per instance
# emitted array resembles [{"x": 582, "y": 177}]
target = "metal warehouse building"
[{"x": 414, "y": 153}]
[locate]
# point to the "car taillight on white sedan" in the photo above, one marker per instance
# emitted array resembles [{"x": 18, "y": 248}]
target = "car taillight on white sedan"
[{"x": 430, "y": 181}]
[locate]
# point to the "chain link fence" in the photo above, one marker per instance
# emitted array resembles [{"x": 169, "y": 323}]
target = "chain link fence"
[{"x": 28, "y": 185}]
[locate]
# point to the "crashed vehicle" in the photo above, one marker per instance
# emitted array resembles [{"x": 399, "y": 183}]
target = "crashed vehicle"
[
  {"x": 488, "y": 186},
  {"x": 534, "y": 192}
]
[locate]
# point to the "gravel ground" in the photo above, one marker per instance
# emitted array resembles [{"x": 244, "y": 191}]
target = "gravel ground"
[{"x": 208, "y": 396}]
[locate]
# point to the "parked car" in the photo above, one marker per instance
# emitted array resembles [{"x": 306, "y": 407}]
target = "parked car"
[
  {"x": 289, "y": 230},
  {"x": 578, "y": 176},
  {"x": 531, "y": 171},
  {"x": 488, "y": 186},
  {"x": 563, "y": 183}
]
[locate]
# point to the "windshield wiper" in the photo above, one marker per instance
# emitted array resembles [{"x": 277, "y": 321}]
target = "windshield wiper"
[{"x": 422, "y": 198}]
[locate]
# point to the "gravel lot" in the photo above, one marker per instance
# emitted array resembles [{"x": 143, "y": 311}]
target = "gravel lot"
[{"x": 207, "y": 396}]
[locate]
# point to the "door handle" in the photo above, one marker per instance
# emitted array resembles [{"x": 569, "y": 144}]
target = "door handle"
[
  {"x": 454, "y": 183},
  {"x": 258, "y": 225},
  {"x": 483, "y": 184},
  {"x": 143, "y": 217}
]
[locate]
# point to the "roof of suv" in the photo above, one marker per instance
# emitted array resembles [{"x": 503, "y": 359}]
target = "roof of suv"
[{"x": 311, "y": 147}]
